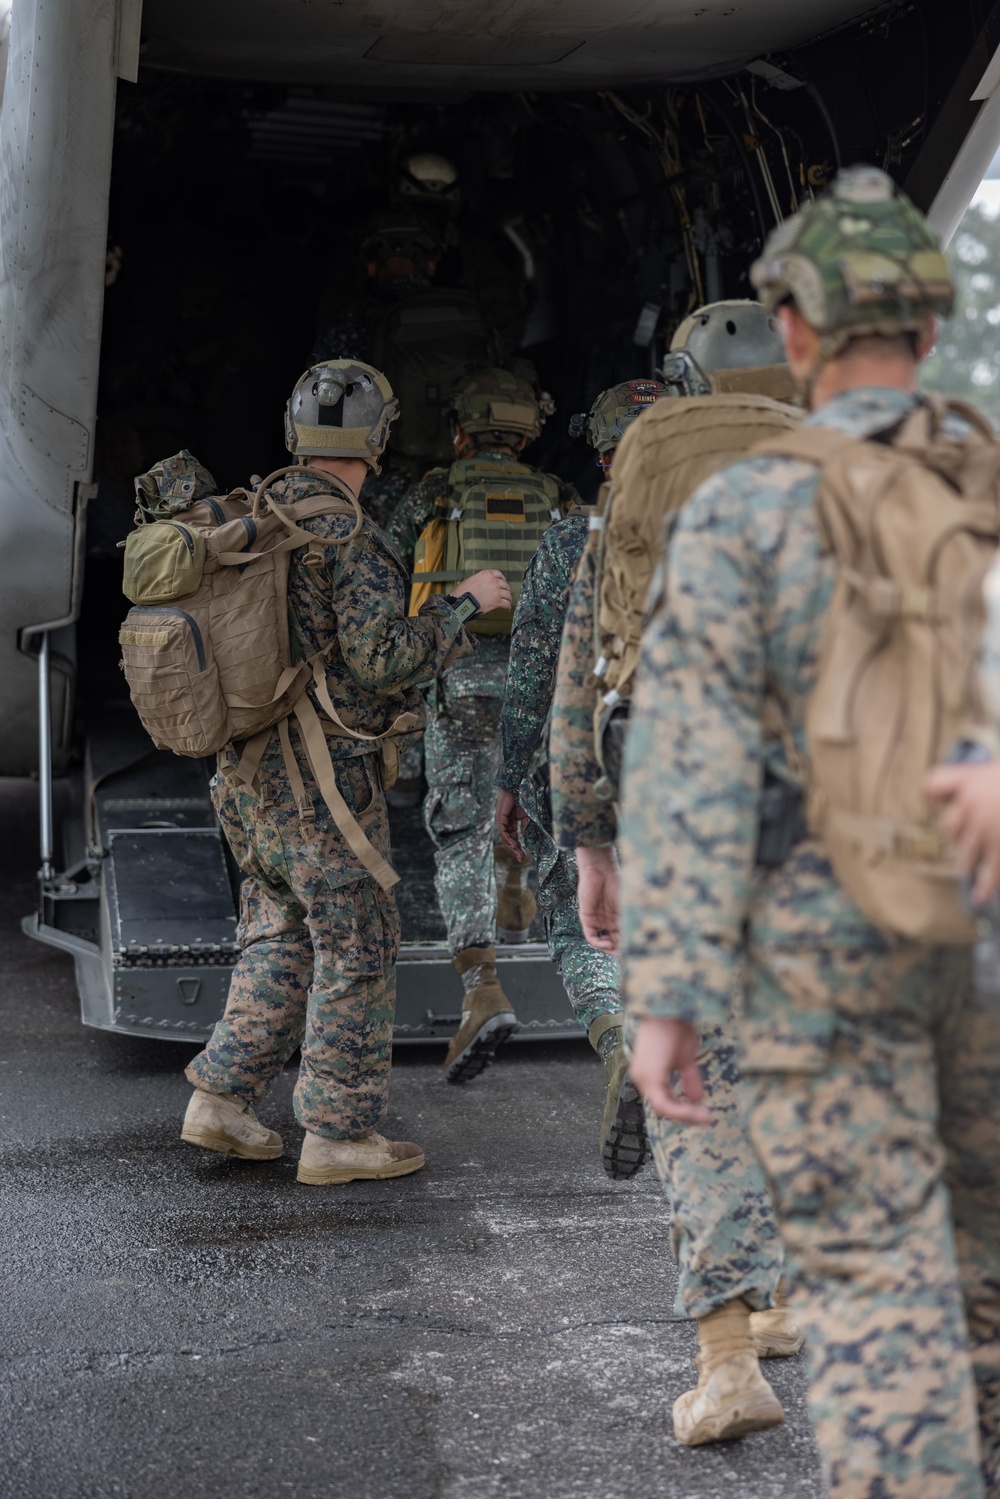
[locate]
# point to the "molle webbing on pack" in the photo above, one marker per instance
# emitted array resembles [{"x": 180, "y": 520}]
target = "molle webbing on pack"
[
  {"x": 493, "y": 515},
  {"x": 206, "y": 650},
  {"x": 912, "y": 516},
  {"x": 662, "y": 460}
]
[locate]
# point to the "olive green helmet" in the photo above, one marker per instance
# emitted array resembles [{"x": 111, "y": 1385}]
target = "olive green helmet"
[
  {"x": 736, "y": 335},
  {"x": 614, "y": 410},
  {"x": 495, "y": 401},
  {"x": 860, "y": 260},
  {"x": 340, "y": 409},
  {"x": 172, "y": 485}
]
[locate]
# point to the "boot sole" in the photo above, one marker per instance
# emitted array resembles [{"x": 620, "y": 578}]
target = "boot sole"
[
  {"x": 771, "y": 1347},
  {"x": 335, "y": 1175},
  {"x": 625, "y": 1148},
  {"x": 482, "y": 1048},
  {"x": 210, "y": 1139},
  {"x": 736, "y": 1420}
]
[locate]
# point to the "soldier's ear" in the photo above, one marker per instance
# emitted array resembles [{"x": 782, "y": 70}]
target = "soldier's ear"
[
  {"x": 372, "y": 268},
  {"x": 432, "y": 265}
]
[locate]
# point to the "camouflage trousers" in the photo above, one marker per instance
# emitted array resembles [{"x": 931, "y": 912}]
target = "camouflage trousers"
[
  {"x": 319, "y": 940},
  {"x": 723, "y": 1228},
  {"x": 883, "y": 1151},
  {"x": 461, "y": 756},
  {"x": 590, "y": 977}
]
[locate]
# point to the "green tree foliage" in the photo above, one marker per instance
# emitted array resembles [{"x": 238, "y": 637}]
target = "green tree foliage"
[{"x": 966, "y": 360}]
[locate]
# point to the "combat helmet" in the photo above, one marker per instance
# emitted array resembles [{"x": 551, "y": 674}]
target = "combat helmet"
[
  {"x": 401, "y": 232},
  {"x": 613, "y": 410},
  {"x": 428, "y": 176},
  {"x": 861, "y": 260},
  {"x": 735, "y": 335},
  {"x": 172, "y": 485},
  {"x": 498, "y": 402},
  {"x": 340, "y": 409}
]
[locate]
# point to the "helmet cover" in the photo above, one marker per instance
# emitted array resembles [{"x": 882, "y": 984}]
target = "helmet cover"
[
  {"x": 494, "y": 400},
  {"x": 614, "y": 410},
  {"x": 861, "y": 260}
]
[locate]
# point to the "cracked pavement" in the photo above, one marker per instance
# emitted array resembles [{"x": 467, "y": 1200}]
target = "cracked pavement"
[{"x": 499, "y": 1324}]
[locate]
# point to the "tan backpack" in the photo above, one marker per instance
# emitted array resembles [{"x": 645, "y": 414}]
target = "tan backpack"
[
  {"x": 914, "y": 521},
  {"x": 675, "y": 446},
  {"x": 206, "y": 652}
]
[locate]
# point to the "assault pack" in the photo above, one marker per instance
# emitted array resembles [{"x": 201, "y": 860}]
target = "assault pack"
[
  {"x": 205, "y": 647},
  {"x": 912, "y": 516},
  {"x": 674, "y": 447},
  {"x": 491, "y": 515},
  {"x": 425, "y": 343}
]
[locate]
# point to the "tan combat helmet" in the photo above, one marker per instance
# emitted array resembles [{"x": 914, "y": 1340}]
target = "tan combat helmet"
[
  {"x": 340, "y": 409},
  {"x": 728, "y": 346},
  {"x": 499, "y": 403},
  {"x": 859, "y": 261},
  {"x": 426, "y": 176}
]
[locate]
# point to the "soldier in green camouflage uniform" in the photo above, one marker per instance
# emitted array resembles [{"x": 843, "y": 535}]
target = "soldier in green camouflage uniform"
[
  {"x": 318, "y": 934},
  {"x": 591, "y": 977},
  {"x": 723, "y": 1229},
  {"x": 461, "y": 744},
  {"x": 873, "y": 1071}
]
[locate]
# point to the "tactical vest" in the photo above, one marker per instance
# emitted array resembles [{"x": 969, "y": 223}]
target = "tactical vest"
[
  {"x": 424, "y": 344},
  {"x": 493, "y": 514}
]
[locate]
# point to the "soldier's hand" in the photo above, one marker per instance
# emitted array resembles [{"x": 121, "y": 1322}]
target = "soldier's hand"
[
  {"x": 511, "y": 820},
  {"x": 971, "y": 819},
  {"x": 489, "y": 588},
  {"x": 663, "y": 1050},
  {"x": 597, "y": 895}
]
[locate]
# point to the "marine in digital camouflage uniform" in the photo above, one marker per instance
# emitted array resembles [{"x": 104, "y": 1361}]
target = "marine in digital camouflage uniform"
[
  {"x": 318, "y": 934},
  {"x": 872, "y": 1068},
  {"x": 723, "y": 1228},
  {"x": 461, "y": 745}
]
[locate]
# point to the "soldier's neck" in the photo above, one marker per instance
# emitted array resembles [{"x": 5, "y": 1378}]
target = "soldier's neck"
[
  {"x": 856, "y": 373},
  {"x": 350, "y": 471}
]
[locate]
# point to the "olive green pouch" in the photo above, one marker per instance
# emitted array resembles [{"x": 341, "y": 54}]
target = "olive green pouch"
[{"x": 164, "y": 561}]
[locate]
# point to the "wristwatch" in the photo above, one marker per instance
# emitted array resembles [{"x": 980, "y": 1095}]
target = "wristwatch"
[{"x": 464, "y": 606}]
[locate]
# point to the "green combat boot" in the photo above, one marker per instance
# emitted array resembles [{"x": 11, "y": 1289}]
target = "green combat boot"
[
  {"x": 226, "y": 1123},
  {"x": 487, "y": 1016},
  {"x": 516, "y": 904},
  {"x": 732, "y": 1397},
  {"x": 624, "y": 1147}
]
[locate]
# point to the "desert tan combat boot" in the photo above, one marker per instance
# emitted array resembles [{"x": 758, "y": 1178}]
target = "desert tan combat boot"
[
  {"x": 623, "y": 1144},
  {"x": 732, "y": 1397},
  {"x": 776, "y": 1333},
  {"x": 487, "y": 1017},
  {"x": 516, "y": 904},
  {"x": 226, "y": 1123},
  {"x": 369, "y": 1158}
]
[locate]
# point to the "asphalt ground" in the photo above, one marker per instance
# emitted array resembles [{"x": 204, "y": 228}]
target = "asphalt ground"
[{"x": 180, "y": 1326}]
